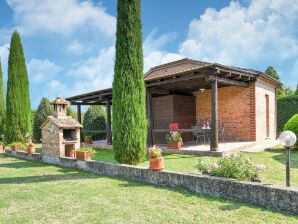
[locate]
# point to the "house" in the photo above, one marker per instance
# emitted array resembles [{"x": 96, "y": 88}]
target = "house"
[{"x": 190, "y": 92}]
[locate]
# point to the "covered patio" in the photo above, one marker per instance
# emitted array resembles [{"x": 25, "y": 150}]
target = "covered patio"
[{"x": 172, "y": 92}]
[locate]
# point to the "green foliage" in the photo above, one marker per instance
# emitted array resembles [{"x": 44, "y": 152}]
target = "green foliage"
[
  {"x": 292, "y": 125},
  {"x": 287, "y": 106},
  {"x": 155, "y": 152},
  {"x": 2, "y": 103},
  {"x": 43, "y": 111},
  {"x": 174, "y": 136},
  {"x": 271, "y": 72},
  {"x": 296, "y": 91},
  {"x": 17, "y": 146},
  {"x": 129, "y": 108},
  {"x": 94, "y": 123},
  {"x": 2, "y": 143},
  {"x": 88, "y": 138},
  {"x": 18, "y": 110},
  {"x": 233, "y": 166},
  {"x": 89, "y": 149},
  {"x": 70, "y": 112}
]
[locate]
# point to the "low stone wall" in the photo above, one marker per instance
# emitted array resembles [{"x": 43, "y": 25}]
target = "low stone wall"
[{"x": 255, "y": 193}]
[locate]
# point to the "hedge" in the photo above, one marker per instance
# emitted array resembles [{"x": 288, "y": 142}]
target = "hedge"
[{"x": 287, "y": 107}]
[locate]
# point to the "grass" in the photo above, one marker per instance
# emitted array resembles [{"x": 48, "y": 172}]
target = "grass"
[
  {"x": 32, "y": 192},
  {"x": 274, "y": 159}
]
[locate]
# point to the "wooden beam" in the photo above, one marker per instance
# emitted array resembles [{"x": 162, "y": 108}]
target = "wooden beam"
[
  {"x": 109, "y": 126},
  {"x": 86, "y": 103},
  {"x": 214, "y": 116},
  {"x": 150, "y": 141},
  {"x": 226, "y": 81},
  {"x": 169, "y": 81}
]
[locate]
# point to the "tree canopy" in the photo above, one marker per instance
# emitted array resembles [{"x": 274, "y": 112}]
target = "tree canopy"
[
  {"x": 94, "y": 123},
  {"x": 2, "y": 103},
  {"x": 129, "y": 108},
  {"x": 18, "y": 109}
]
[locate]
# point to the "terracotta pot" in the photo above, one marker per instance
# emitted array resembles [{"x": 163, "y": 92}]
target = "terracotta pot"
[
  {"x": 83, "y": 155},
  {"x": 1, "y": 148},
  {"x": 156, "y": 164},
  {"x": 174, "y": 145},
  {"x": 72, "y": 153},
  {"x": 31, "y": 149},
  {"x": 88, "y": 142}
]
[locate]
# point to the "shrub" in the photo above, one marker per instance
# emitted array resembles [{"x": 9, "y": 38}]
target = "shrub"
[
  {"x": 2, "y": 143},
  {"x": 287, "y": 107},
  {"x": 18, "y": 146},
  {"x": 87, "y": 149},
  {"x": 155, "y": 152},
  {"x": 232, "y": 166},
  {"x": 87, "y": 138},
  {"x": 174, "y": 136},
  {"x": 292, "y": 125},
  {"x": 44, "y": 110},
  {"x": 94, "y": 123}
]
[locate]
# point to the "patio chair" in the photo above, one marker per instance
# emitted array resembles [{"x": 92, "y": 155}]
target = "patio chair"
[{"x": 196, "y": 135}]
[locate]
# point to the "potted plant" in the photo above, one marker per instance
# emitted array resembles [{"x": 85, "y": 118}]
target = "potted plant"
[
  {"x": 17, "y": 146},
  {"x": 85, "y": 153},
  {"x": 31, "y": 148},
  {"x": 174, "y": 140},
  {"x": 2, "y": 146},
  {"x": 156, "y": 159},
  {"x": 88, "y": 140}
]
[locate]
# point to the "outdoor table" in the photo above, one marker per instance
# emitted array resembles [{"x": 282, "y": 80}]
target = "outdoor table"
[{"x": 205, "y": 131}]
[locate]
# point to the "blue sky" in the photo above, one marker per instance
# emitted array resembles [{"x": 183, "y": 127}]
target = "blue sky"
[{"x": 69, "y": 44}]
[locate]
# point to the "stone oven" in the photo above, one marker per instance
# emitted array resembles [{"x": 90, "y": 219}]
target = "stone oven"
[{"x": 60, "y": 133}]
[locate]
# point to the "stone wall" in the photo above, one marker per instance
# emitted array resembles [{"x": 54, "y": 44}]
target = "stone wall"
[
  {"x": 255, "y": 193},
  {"x": 52, "y": 138}
]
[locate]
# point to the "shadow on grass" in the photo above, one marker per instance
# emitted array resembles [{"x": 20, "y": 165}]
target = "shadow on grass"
[{"x": 281, "y": 157}]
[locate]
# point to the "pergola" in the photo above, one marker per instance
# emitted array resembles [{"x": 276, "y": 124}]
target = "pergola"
[{"x": 185, "y": 82}]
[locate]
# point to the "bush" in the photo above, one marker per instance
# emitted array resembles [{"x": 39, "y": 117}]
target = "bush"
[
  {"x": 232, "y": 166},
  {"x": 94, "y": 123},
  {"x": 286, "y": 107},
  {"x": 174, "y": 136},
  {"x": 155, "y": 152},
  {"x": 292, "y": 125},
  {"x": 18, "y": 145},
  {"x": 89, "y": 149},
  {"x": 44, "y": 110}
]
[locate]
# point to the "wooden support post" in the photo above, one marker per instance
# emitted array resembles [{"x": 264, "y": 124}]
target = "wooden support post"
[
  {"x": 79, "y": 116},
  {"x": 214, "y": 115},
  {"x": 150, "y": 120},
  {"x": 109, "y": 133}
]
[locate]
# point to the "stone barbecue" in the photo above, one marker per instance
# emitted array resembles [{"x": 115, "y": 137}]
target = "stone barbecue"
[{"x": 60, "y": 133}]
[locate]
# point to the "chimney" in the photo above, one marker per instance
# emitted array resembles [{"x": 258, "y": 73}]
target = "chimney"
[{"x": 60, "y": 106}]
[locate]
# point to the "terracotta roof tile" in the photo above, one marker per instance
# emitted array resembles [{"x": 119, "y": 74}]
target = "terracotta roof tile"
[{"x": 67, "y": 122}]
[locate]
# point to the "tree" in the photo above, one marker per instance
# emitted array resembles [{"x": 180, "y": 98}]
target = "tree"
[
  {"x": 18, "y": 109},
  {"x": 43, "y": 111},
  {"x": 94, "y": 122},
  {"x": 129, "y": 108},
  {"x": 270, "y": 71},
  {"x": 296, "y": 92},
  {"x": 2, "y": 103},
  {"x": 70, "y": 112}
]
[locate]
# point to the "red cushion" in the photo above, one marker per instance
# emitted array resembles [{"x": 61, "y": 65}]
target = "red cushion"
[{"x": 173, "y": 126}]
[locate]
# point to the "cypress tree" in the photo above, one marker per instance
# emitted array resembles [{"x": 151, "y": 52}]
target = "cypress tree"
[
  {"x": 2, "y": 103},
  {"x": 44, "y": 110},
  {"x": 129, "y": 112},
  {"x": 18, "y": 111}
]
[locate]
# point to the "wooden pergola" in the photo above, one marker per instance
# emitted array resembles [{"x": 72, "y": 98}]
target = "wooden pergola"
[{"x": 207, "y": 76}]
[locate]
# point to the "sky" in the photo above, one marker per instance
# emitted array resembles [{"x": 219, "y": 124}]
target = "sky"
[{"x": 69, "y": 44}]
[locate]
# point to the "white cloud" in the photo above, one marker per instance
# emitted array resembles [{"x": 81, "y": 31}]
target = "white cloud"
[
  {"x": 41, "y": 71},
  {"x": 34, "y": 17},
  {"x": 4, "y": 52},
  {"x": 261, "y": 33},
  {"x": 76, "y": 47}
]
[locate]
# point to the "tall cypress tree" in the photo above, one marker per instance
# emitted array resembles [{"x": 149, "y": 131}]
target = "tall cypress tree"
[
  {"x": 18, "y": 111},
  {"x": 2, "y": 103},
  {"x": 44, "y": 110},
  {"x": 129, "y": 112}
]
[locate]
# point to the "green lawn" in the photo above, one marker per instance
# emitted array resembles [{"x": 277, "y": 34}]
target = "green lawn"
[
  {"x": 274, "y": 159},
  {"x": 32, "y": 192}
]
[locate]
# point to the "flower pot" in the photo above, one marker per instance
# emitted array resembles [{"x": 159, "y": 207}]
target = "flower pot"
[
  {"x": 72, "y": 153},
  {"x": 173, "y": 145},
  {"x": 1, "y": 148},
  {"x": 156, "y": 164},
  {"x": 83, "y": 155},
  {"x": 31, "y": 149}
]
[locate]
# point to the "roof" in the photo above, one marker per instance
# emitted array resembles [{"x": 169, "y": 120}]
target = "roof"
[
  {"x": 60, "y": 101},
  {"x": 63, "y": 122}
]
